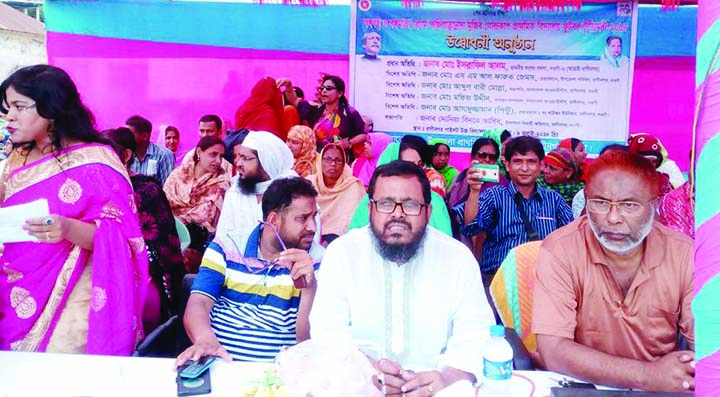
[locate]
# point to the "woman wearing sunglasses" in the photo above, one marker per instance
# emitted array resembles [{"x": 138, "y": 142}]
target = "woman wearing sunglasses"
[{"x": 333, "y": 120}]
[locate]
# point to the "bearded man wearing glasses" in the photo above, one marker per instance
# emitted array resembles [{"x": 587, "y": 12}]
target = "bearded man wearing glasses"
[
  {"x": 613, "y": 288},
  {"x": 407, "y": 289}
]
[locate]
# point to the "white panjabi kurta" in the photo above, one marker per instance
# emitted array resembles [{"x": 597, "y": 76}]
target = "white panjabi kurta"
[
  {"x": 426, "y": 314},
  {"x": 241, "y": 212}
]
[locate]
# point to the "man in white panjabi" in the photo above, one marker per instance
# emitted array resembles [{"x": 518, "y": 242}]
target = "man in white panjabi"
[
  {"x": 406, "y": 288},
  {"x": 260, "y": 158}
]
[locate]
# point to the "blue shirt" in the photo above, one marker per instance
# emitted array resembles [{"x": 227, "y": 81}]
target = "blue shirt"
[
  {"x": 255, "y": 309},
  {"x": 499, "y": 218},
  {"x": 165, "y": 163}
]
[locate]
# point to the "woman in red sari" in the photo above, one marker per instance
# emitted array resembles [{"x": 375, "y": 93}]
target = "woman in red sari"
[
  {"x": 263, "y": 110},
  {"x": 81, "y": 286}
]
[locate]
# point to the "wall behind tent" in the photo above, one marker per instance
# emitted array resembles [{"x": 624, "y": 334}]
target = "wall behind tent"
[
  {"x": 131, "y": 57},
  {"x": 174, "y": 61}
]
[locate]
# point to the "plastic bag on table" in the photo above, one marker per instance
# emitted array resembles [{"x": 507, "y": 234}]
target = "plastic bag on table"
[{"x": 326, "y": 368}]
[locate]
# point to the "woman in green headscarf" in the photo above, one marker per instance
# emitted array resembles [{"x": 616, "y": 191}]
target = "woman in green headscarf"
[
  {"x": 440, "y": 158},
  {"x": 499, "y": 135},
  {"x": 439, "y": 217}
]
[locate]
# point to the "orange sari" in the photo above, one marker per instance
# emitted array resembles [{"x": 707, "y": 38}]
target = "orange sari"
[{"x": 196, "y": 201}]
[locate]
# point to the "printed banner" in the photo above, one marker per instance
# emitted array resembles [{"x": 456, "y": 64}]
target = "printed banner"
[{"x": 452, "y": 70}]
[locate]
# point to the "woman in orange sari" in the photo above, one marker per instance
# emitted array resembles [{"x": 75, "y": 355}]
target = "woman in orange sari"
[{"x": 196, "y": 189}]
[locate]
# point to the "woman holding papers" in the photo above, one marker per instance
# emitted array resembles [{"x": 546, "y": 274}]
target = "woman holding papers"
[{"x": 81, "y": 286}]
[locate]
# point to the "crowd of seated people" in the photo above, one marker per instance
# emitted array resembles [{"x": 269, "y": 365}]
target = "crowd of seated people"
[{"x": 306, "y": 223}]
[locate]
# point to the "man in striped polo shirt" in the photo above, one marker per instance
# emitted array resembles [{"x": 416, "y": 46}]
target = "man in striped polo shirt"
[
  {"x": 507, "y": 216},
  {"x": 247, "y": 302}
]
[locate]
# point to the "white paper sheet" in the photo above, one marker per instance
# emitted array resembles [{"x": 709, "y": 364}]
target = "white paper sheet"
[{"x": 13, "y": 218}]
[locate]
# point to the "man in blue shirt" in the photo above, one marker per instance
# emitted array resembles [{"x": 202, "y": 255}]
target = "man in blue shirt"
[
  {"x": 246, "y": 301},
  {"x": 149, "y": 159},
  {"x": 499, "y": 215}
]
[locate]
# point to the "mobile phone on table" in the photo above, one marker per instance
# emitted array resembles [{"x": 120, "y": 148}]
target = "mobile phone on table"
[
  {"x": 487, "y": 172},
  {"x": 193, "y": 369},
  {"x": 193, "y": 387}
]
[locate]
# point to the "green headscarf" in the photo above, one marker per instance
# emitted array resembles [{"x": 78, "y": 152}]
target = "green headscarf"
[
  {"x": 439, "y": 217},
  {"x": 495, "y": 134},
  {"x": 448, "y": 172}
]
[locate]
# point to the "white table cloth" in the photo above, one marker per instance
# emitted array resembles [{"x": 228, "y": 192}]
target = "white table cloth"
[{"x": 61, "y": 375}]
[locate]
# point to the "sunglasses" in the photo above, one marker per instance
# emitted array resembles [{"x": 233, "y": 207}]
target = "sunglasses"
[
  {"x": 487, "y": 156},
  {"x": 327, "y": 88}
]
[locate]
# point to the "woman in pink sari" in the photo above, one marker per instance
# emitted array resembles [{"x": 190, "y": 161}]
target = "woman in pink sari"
[{"x": 81, "y": 286}]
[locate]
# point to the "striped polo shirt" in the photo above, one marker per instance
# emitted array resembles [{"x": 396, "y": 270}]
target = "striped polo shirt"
[
  {"x": 499, "y": 217},
  {"x": 255, "y": 309}
]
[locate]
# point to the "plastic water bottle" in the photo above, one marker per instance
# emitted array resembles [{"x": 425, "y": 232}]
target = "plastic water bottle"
[{"x": 497, "y": 363}]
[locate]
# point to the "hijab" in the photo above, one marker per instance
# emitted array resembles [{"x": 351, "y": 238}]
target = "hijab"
[
  {"x": 569, "y": 143},
  {"x": 448, "y": 172},
  {"x": 564, "y": 158},
  {"x": 305, "y": 162},
  {"x": 337, "y": 203},
  {"x": 364, "y": 167}
]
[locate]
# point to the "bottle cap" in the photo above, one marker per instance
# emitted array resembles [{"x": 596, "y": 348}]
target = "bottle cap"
[{"x": 497, "y": 330}]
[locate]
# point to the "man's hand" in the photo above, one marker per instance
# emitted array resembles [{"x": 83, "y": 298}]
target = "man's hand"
[
  {"x": 208, "y": 346},
  {"x": 422, "y": 384},
  {"x": 389, "y": 379},
  {"x": 300, "y": 264},
  {"x": 675, "y": 372}
]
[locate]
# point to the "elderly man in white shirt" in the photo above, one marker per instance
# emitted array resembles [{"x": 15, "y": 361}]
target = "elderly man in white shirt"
[{"x": 409, "y": 289}]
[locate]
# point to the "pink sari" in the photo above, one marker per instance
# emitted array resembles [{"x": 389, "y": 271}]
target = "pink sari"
[
  {"x": 677, "y": 210},
  {"x": 85, "y": 182}
]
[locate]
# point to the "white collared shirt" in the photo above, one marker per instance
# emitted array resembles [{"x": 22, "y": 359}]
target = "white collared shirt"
[{"x": 427, "y": 314}]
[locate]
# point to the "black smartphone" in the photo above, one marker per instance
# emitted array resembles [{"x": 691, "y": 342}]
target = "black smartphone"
[{"x": 195, "y": 386}]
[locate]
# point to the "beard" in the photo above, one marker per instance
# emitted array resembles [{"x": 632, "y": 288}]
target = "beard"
[
  {"x": 618, "y": 248},
  {"x": 398, "y": 252},
  {"x": 298, "y": 242},
  {"x": 247, "y": 184}
]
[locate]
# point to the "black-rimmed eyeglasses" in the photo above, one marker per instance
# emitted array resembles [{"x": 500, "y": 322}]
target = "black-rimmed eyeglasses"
[{"x": 408, "y": 207}]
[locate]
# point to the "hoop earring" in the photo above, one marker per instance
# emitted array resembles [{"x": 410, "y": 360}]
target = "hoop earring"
[{"x": 51, "y": 131}]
